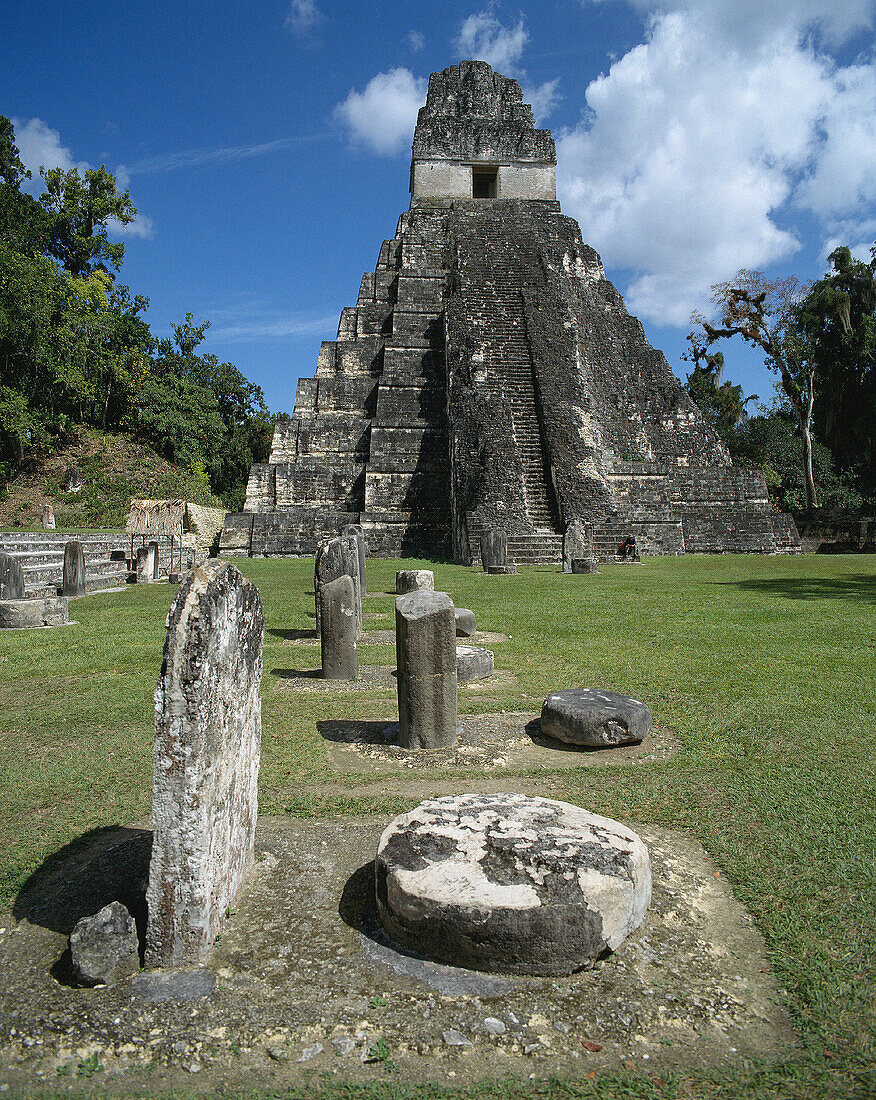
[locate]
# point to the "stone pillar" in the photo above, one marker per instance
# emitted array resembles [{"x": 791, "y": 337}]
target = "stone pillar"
[
  {"x": 494, "y": 551},
  {"x": 74, "y": 569},
  {"x": 425, "y": 640},
  {"x": 355, "y": 530},
  {"x": 11, "y": 578},
  {"x": 339, "y": 629},
  {"x": 144, "y": 572},
  {"x": 208, "y": 731},
  {"x": 152, "y": 561},
  {"x": 577, "y": 543},
  {"x": 48, "y": 517},
  {"x": 337, "y": 558}
]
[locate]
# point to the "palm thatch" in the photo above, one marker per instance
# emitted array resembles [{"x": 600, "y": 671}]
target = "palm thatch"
[{"x": 156, "y": 517}]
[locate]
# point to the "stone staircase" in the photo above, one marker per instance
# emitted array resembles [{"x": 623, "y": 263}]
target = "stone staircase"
[{"x": 41, "y": 555}]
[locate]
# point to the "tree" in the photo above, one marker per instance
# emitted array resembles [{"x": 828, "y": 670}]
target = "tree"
[
  {"x": 837, "y": 320},
  {"x": 723, "y": 406},
  {"x": 763, "y": 313},
  {"x": 79, "y": 210}
]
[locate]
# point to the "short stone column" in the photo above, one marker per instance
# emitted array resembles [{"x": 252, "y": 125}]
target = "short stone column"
[
  {"x": 11, "y": 578},
  {"x": 339, "y": 629},
  {"x": 355, "y": 530},
  {"x": 74, "y": 569},
  {"x": 337, "y": 557},
  {"x": 494, "y": 551},
  {"x": 144, "y": 571},
  {"x": 152, "y": 561},
  {"x": 208, "y": 731},
  {"x": 425, "y": 640}
]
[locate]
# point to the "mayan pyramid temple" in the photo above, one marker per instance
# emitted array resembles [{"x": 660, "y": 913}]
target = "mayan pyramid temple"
[{"x": 490, "y": 376}]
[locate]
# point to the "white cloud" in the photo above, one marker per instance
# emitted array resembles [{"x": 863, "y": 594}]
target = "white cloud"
[
  {"x": 40, "y": 145},
  {"x": 543, "y": 99},
  {"x": 416, "y": 41},
  {"x": 698, "y": 145},
  {"x": 483, "y": 38},
  {"x": 302, "y": 16},
  {"x": 383, "y": 116}
]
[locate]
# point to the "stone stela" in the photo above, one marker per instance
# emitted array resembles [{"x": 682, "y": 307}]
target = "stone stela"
[
  {"x": 208, "y": 732},
  {"x": 490, "y": 376}
]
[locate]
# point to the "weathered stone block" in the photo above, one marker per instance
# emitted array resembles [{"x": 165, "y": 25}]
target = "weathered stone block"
[
  {"x": 104, "y": 947},
  {"x": 206, "y": 761},
  {"x": 11, "y": 578},
  {"x": 414, "y": 580},
  {"x": 594, "y": 719},
  {"x": 41, "y": 611},
  {"x": 339, "y": 629},
  {"x": 473, "y": 663},
  {"x": 466, "y": 624},
  {"x": 335, "y": 558},
  {"x": 494, "y": 549},
  {"x": 585, "y": 565},
  {"x": 425, "y": 632},
  {"x": 577, "y": 543},
  {"x": 74, "y": 569},
  {"x": 510, "y": 884}
]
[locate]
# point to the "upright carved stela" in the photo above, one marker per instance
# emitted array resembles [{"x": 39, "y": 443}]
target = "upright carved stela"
[{"x": 490, "y": 376}]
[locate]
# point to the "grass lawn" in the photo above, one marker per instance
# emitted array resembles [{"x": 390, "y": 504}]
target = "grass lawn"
[{"x": 763, "y": 667}]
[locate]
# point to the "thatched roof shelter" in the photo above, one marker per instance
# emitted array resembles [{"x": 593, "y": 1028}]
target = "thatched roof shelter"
[{"x": 156, "y": 517}]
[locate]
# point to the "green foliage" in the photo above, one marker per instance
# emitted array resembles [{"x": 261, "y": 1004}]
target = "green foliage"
[
  {"x": 722, "y": 405},
  {"x": 74, "y": 348}
]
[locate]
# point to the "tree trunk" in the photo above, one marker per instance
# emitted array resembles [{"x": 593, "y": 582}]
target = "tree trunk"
[{"x": 808, "y": 480}]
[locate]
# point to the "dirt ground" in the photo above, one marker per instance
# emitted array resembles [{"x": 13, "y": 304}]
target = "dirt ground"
[{"x": 303, "y": 982}]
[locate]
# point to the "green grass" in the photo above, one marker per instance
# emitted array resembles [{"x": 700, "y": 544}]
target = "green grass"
[{"x": 763, "y": 667}]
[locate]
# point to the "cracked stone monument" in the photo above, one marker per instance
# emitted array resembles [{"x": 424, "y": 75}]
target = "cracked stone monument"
[
  {"x": 339, "y": 629},
  {"x": 577, "y": 544},
  {"x": 489, "y": 375},
  {"x": 510, "y": 884},
  {"x": 494, "y": 552},
  {"x": 354, "y": 530},
  {"x": 335, "y": 558},
  {"x": 206, "y": 755},
  {"x": 74, "y": 569},
  {"x": 425, "y": 632}
]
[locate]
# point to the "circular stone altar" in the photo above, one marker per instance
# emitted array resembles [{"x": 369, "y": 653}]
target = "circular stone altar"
[
  {"x": 511, "y": 884},
  {"x": 594, "y": 719}
]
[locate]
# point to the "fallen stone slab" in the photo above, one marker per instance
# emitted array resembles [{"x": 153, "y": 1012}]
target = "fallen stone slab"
[
  {"x": 41, "y": 611},
  {"x": 104, "y": 946},
  {"x": 510, "y": 884},
  {"x": 414, "y": 580},
  {"x": 594, "y": 718},
  {"x": 473, "y": 663},
  {"x": 466, "y": 624}
]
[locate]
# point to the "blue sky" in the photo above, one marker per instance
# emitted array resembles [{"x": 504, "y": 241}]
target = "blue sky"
[{"x": 267, "y": 145}]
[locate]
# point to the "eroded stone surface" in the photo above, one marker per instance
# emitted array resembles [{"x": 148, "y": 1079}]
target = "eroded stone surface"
[
  {"x": 41, "y": 611},
  {"x": 74, "y": 569},
  {"x": 11, "y": 578},
  {"x": 414, "y": 580},
  {"x": 466, "y": 623},
  {"x": 510, "y": 884},
  {"x": 594, "y": 718},
  {"x": 494, "y": 549},
  {"x": 338, "y": 557},
  {"x": 473, "y": 663},
  {"x": 206, "y": 761},
  {"x": 355, "y": 530},
  {"x": 104, "y": 946},
  {"x": 339, "y": 629},
  {"x": 426, "y": 656},
  {"x": 577, "y": 543}
]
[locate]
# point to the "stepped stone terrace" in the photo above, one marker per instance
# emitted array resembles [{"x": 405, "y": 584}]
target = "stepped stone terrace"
[{"x": 490, "y": 376}]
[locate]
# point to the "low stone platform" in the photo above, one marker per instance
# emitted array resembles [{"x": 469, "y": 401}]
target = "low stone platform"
[
  {"x": 41, "y": 611},
  {"x": 510, "y": 884},
  {"x": 304, "y": 982},
  {"x": 594, "y": 718}
]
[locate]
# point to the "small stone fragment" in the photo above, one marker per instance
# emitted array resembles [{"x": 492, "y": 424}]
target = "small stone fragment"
[
  {"x": 494, "y": 1026},
  {"x": 310, "y": 1052},
  {"x": 277, "y": 1053},
  {"x": 594, "y": 718},
  {"x": 454, "y": 1038},
  {"x": 414, "y": 580},
  {"x": 104, "y": 946},
  {"x": 343, "y": 1044}
]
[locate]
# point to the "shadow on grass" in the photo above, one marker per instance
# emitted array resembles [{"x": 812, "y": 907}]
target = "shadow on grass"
[
  {"x": 292, "y": 635},
  {"x": 860, "y": 587},
  {"x": 297, "y": 673},
  {"x": 359, "y": 733}
]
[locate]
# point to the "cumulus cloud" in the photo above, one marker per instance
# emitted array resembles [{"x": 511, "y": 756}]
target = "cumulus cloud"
[
  {"x": 483, "y": 38},
  {"x": 383, "y": 116},
  {"x": 302, "y": 16},
  {"x": 698, "y": 146},
  {"x": 416, "y": 41},
  {"x": 543, "y": 99},
  {"x": 41, "y": 146}
]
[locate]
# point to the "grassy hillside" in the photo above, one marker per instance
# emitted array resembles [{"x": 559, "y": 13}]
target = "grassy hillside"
[{"x": 114, "y": 469}]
